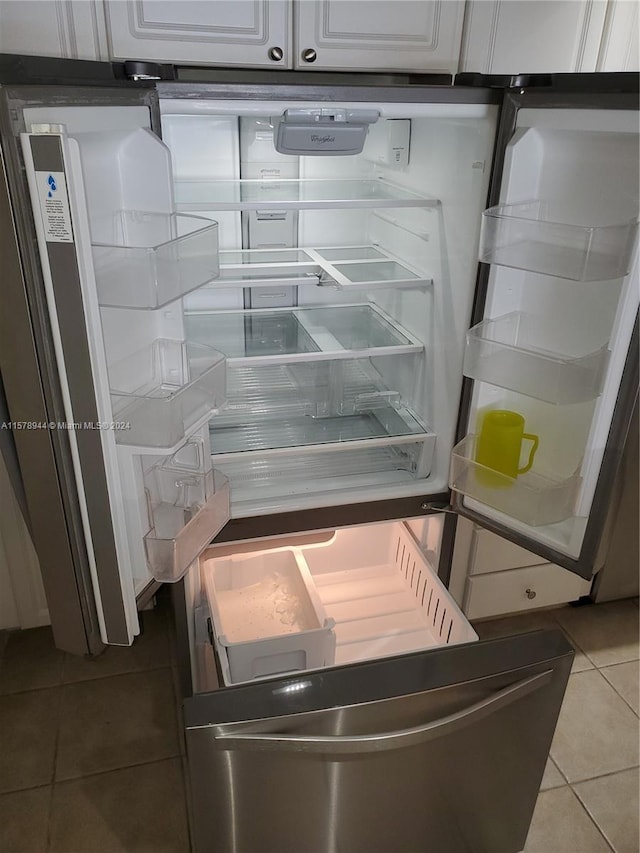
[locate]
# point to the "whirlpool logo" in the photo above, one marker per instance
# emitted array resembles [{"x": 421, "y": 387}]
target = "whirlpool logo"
[{"x": 322, "y": 140}]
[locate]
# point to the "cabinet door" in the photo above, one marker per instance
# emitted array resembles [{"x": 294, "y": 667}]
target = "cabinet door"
[
  {"x": 525, "y": 36},
  {"x": 52, "y": 28},
  {"x": 374, "y": 36},
  {"x": 619, "y": 49},
  {"x": 220, "y": 32}
]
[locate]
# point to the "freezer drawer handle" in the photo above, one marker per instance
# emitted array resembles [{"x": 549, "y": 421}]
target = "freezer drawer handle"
[{"x": 383, "y": 741}]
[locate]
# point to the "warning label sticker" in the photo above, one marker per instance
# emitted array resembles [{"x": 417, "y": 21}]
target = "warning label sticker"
[{"x": 54, "y": 207}]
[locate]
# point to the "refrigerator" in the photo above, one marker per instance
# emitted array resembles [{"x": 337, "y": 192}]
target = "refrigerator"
[{"x": 261, "y": 337}]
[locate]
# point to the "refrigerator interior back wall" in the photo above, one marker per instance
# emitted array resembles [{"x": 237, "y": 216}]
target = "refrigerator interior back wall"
[{"x": 449, "y": 161}]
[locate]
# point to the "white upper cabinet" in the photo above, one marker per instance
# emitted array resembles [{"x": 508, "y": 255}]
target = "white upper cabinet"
[
  {"x": 371, "y": 35},
  {"x": 253, "y": 33},
  {"x": 499, "y": 36},
  {"x": 619, "y": 50},
  {"x": 71, "y": 30},
  {"x": 529, "y": 36}
]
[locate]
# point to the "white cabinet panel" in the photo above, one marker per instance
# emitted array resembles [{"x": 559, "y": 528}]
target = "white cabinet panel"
[
  {"x": 374, "y": 36},
  {"x": 74, "y": 30},
  {"x": 520, "y": 36},
  {"x": 619, "y": 50},
  {"x": 491, "y": 553},
  {"x": 521, "y": 589},
  {"x": 218, "y": 32}
]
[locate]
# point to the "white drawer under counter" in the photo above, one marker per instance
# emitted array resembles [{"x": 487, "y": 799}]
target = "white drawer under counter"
[{"x": 521, "y": 589}]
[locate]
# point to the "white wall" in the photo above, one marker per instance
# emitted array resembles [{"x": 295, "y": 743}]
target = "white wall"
[{"x": 22, "y": 600}]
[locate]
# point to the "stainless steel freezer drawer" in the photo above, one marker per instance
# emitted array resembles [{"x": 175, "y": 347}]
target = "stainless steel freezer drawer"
[{"x": 440, "y": 751}]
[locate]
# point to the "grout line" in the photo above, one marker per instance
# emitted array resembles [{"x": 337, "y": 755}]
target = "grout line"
[
  {"x": 22, "y": 790},
  {"x": 174, "y": 757},
  {"x": 54, "y": 763},
  {"x": 569, "y": 636},
  {"x": 593, "y": 820},
  {"x": 557, "y": 766},
  {"x": 615, "y": 689},
  {"x": 116, "y": 674},
  {"x": 87, "y": 680},
  {"x": 603, "y": 775}
]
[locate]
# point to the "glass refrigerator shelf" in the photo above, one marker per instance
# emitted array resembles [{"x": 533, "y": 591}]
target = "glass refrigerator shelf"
[{"x": 295, "y": 194}]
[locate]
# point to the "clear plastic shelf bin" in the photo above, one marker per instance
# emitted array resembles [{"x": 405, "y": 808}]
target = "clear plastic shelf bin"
[
  {"x": 534, "y": 498},
  {"x": 146, "y": 260},
  {"x": 301, "y": 334},
  {"x": 186, "y": 510},
  {"x": 503, "y": 352},
  {"x": 163, "y": 389},
  {"x": 528, "y": 236}
]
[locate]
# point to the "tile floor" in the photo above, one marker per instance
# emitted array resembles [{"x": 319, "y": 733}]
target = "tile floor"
[
  {"x": 589, "y": 801},
  {"x": 91, "y": 758}
]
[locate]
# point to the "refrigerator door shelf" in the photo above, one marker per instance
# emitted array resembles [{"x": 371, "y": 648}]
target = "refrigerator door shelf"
[
  {"x": 147, "y": 260},
  {"x": 528, "y": 236},
  {"x": 504, "y": 352},
  {"x": 289, "y": 335},
  {"x": 187, "y": 510},
  {"x": 534, "y": 498},
  {"x": 293, "y": 194},
  {"x": 161, "y": 391},
  {"x": 374, "y": 584},
  {"x": 266, "y": 613}
]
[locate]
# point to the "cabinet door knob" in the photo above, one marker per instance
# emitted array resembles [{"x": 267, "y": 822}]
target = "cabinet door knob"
[
  {"x": 309, "y": 55},
  {"x": 530, "y": 593},
  {"x": 276, "y": 53}
]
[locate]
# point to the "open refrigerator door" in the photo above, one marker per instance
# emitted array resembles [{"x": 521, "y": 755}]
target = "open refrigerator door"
[
  {"x": 113, "y": 247},
  {"x": 551, "y": 357}
]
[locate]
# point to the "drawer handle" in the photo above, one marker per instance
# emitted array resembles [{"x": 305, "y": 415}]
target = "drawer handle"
[
  {"x": 383, "y": 741},
  {"x": 530, "y": 593}
]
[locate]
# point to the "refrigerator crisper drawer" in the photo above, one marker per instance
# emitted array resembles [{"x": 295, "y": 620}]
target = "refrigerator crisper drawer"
[
  {"x": 373, "y": 584},
  {"x": 146, "y": 260}
]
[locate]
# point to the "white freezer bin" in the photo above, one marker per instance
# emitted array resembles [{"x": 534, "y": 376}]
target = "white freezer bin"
[
  {"x": 267, "y": 617},
  {"x": 373, "y": 586}
]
